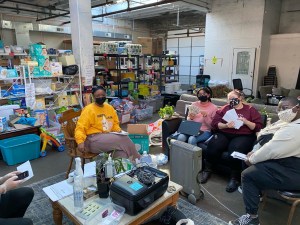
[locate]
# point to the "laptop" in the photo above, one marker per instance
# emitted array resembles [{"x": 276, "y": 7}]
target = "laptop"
[{"x": 189, "y": 127}]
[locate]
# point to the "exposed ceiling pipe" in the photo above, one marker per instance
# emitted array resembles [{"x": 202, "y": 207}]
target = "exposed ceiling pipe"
[
  {"x": 136, "y": 8},
  {"x": 26, "y": 10},
  {"x": 52, "y": 17},
  {"x": 40, "y": 6},
  {"x": 64, "y": 14}
]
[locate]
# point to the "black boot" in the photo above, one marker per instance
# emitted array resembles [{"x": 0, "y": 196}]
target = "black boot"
[{"x": 206, "y": 173}]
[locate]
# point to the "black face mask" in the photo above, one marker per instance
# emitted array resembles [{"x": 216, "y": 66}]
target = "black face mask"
[
  {"x": 234, "y": 102},
  {"x": 100, "y": 100},
  {"x": 203, "y": 98}
]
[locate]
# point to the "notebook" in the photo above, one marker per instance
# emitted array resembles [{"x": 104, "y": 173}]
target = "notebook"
[{"x": 189, "y": 127}]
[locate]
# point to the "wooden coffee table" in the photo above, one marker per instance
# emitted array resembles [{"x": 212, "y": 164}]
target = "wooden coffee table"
[{"x": 66, "y": 206}]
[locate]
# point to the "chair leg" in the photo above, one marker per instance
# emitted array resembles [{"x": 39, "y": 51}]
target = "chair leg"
[
  {"x": 295, "y": 203},
  {"x": 70, "y": 166}
]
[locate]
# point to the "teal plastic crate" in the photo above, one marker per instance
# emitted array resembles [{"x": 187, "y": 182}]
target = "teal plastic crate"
[
  {"x": 141, "y": 142},
  {"x": 20, "y": 149}
]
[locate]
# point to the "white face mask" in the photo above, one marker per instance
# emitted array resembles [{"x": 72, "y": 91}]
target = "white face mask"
[{"x": 287, "y": 115}]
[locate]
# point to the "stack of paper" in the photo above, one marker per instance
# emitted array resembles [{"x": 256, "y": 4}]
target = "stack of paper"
[
  {"x": 239, "y": 155},
  {"x": 230, "y": 116}
]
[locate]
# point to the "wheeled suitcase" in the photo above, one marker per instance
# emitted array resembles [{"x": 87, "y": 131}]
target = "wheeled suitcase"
[{"x": 185, "y": 166}]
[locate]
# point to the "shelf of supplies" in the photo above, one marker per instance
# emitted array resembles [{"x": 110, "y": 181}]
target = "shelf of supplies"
[
  {"x": 13, "y": 54},
  {"x": 12, "y": 78},
  {"x": 49, "y": 107}
]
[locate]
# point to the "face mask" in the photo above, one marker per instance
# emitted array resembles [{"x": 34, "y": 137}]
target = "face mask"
[
  {"x": 287, "y": 115},
  {"x": 203, "y": 98},
  {"x": 234, "y": 102},
  {"x": 100, "y": 101}
]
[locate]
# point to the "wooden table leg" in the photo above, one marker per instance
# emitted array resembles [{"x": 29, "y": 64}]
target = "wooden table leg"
[{"x": 57, "y": 214}]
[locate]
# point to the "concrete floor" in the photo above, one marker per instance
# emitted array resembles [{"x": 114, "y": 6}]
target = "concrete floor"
[{"x": 217, "y": 202}]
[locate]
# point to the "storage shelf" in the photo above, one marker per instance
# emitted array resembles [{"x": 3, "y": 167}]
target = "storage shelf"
[
  {"x": 13, "y": 54},
  {"x": 49, "y": 107}
]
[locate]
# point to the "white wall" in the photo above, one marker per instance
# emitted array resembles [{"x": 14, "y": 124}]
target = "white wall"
[
  {"x": 270, "y": 26},
  {"x": 231, "y": 24},
  {"x": 290, "y": 17},
  {"x": 285, "y": 54}
]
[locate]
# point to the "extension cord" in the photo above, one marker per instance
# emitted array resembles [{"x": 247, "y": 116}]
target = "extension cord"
[{"x": 201, "y": 186}]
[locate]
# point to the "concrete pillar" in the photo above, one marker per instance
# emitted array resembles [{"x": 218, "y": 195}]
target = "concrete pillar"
[{"x": 82, "y": 38}]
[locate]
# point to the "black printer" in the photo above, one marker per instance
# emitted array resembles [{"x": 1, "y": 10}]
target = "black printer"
[{"x": 139, "y": 188}]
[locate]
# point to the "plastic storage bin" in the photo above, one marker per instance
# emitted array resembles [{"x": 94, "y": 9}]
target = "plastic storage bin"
[{"x": 20, "y": 149}]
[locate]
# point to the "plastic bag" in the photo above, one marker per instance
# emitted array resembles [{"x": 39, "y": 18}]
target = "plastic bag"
[{"x": 161, "y": 159}]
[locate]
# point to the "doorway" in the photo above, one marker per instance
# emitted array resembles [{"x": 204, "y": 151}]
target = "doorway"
[{"x": 243, "y": 66}]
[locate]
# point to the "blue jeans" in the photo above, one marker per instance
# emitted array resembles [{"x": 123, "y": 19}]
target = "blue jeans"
[{"x": 193, "y": 140}]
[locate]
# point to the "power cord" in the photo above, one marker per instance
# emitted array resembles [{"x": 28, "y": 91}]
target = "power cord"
[{"x": 201, "y": 186}]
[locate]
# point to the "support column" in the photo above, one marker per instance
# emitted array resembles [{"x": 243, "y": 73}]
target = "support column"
[{"x": 82, "y": 38}]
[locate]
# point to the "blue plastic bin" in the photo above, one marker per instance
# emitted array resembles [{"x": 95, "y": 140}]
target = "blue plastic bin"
[{"x": 20, "y": 149}]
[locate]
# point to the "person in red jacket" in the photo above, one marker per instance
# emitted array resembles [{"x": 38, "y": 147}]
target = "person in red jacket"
[{"x": 230, "y": 137}]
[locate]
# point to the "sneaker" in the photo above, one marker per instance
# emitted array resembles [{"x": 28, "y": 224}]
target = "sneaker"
[
  {"x": 245, "y": 220},
  {"x": 240, "y": 189}
]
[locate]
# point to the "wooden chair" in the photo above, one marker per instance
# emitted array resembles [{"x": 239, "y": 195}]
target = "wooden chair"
[
  {"x": 68, "y": 122},
  {"x": 293, "y": 196}
]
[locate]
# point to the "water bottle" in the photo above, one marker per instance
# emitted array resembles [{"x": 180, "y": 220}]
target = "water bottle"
[
  {"x": 146, "y": 159},
  {"x": 78, "y": 186},
  {"x": 109, "y": 167}
]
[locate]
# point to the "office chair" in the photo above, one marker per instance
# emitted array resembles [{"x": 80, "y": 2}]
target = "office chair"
[{"x": 237, "y": 84}]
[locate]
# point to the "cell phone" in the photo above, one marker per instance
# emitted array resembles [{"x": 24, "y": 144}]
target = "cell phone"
[{"x": 22, "y": 175}]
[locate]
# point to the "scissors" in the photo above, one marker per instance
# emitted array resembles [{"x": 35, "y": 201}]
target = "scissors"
[{"x": 171, "y": 189}]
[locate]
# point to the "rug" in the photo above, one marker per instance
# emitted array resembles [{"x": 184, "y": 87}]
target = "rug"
[{"x": 40, "y": 210}]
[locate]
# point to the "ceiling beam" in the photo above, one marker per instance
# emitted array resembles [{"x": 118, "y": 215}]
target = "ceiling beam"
[
  {"x": 39, "y": 6},
  {"x": 135, "y": 8}
]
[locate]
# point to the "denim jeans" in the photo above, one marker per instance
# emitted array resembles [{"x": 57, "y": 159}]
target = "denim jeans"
[{"x": 194, "y": 139}]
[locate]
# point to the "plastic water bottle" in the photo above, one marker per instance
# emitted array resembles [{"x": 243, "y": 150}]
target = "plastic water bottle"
[
  {"x": 146, "y": 159},
  {"x": 109, "y": 168},
  {"x": 78, "y": 186}
]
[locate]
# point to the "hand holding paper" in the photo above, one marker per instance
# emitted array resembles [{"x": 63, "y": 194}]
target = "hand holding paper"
[{"x": 231, "y": 115}]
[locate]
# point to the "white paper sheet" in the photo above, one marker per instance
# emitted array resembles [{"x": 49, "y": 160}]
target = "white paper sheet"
[
  {"x": 120, "y": 133},
  {"x": 231, "y": 115},
  {"x": 89, "y": 169},
  {"x": 59, "y": 190},
  {"x": 24, "y": 167},
  {"x": 239, "y": 155}
]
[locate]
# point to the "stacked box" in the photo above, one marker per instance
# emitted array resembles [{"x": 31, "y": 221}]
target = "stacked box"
[
  {"x": 134, "y": 49},
  {"x": 38, "y": 53},
  {"x": 107, "y": 48},
  {"x": 37, "y": 49},
  {"x": 152, "y": 46}
]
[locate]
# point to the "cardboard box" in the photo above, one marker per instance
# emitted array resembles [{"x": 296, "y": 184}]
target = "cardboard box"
[
  {"x": 152, "y": 46},
  {"x": 139, "y": 136},
  {"x": 109, "y": 63},
  {"x": 123, "y": 117},
  {"x": 67, "y": 60}
]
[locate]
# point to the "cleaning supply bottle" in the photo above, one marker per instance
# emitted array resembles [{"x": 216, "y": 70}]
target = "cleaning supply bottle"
[
  {"x": 78, "y": 186},
  {"x": 109, "y": 167},
  {"x": 146, "y": 159}
]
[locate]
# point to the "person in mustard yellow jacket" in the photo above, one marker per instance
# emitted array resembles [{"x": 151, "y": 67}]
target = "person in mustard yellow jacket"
[{"x": 94, "y": 127}]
